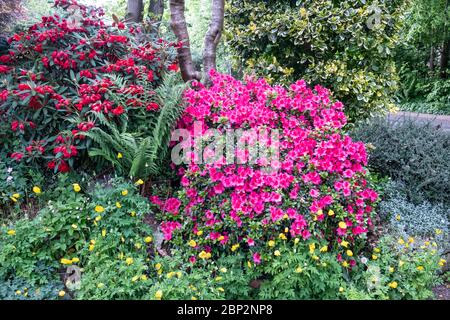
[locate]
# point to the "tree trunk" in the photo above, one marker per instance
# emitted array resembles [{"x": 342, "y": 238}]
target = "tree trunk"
[
  {"x": 432, "y": 57},
  {"x": 156, "y": 10},
  {"x": 178, "y": 23},
  {"x": 444, "y": 59},
  {"x": 134, "y": 10},
  {"x": 212, "y": 38}
]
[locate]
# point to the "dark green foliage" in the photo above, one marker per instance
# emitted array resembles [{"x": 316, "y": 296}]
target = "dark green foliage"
[
  {"x": 416, "y": 154},
  {"x": 341, "y": 45}
]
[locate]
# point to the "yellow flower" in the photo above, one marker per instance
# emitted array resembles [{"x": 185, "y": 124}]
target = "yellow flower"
[
  {"x": 330, "y": 213},
  {"x": 342, "y": 225},
  {"x": 74, "y": 226},
  {"x": 218, "y": 278},
  {"x": 411, "y": 240},
  {"x": 312, "y": 247},
  {"x": 36, "y": 190},
  {"x": 345, "y": 264},
  {"x": 133, "y": 213},
  {"x": 143, "y": 277},
  {"x": 193, "y": 298},
  {"x": 398, "y": 217},
  {"x": 349, "y": 253},
  {"x": 438, "y": 231},
  {"x": 374, "y": 257},
  {"x": 400, "y": 263},
  {"x": 393, "y": 284},
  {"x": 192, "y": 243},
  {"x": 223, "y": 270},
  {"x": 134, "y": 279},
  {"x": 138, "y": 245},
  {"x": 99, "y": 209},
  {"x": 11, "y": 232},
  {"x": 98, "y": 218},
  {"x": 18, "y": 292},
  {"x": 234, "y": 247},
  {"x": 62, "y": 293},
  {"x": 179, "y": 274},
  {"x": 119, "y": 155},
  {"x": 296, "y": 240},
  {"x": 324, "y": 249},
  {"x": 221, "y": 289},
  {"x": 277, "y": 253},
  {"x": 249, "y": 264},
  {"x": 91, "y": 247},
  {"x": 75, "y": 260},
  {"x": 344, "y": 243},
  {"x": 170, "y": 275},
  {"x": 341, "y": 289},
  {"x": 221, "y": 238},
  {"x": 76, "y": 187},
  {"x": 303, "y": 12},
  {"x": 158, "y": 266},
  {"x": 199, "y": 233},
  {"x": 282, "y": 236},
  {"x": 118, "y": 205},
  {"x": 124, "y": 192},
  {"x": 204, "y": 255},
  {"x": 298, "y": 270},
  {"x": 420, "y": 268},
  {"x": 442, "y": 262},
  {"x": 13, "y": 199},
  {"x": 391, "y": 269},
  {"x": 401, "y": 241},
  {"x": 100, "y": 285},
  {"x": 139, "y": 182},
  {"x": 16, "y": 195},
  {"x": 158, "y": 294},
  {"x": 271, "y": 243},
  {"x": 377, "y": 250},
  {"x": 65, "y": 261},
  {"x": 129, "y": 261},
  {"x": 148, "y": 239},
  {"x": 103, "y": 233}
]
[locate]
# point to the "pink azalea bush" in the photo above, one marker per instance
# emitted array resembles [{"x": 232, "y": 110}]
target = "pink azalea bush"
[
  {"x": 64, "y": 72},
  {"x": 317, "y": 190}
]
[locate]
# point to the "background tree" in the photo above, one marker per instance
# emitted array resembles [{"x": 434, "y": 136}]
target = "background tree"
[{"x": 212, "y": 38}]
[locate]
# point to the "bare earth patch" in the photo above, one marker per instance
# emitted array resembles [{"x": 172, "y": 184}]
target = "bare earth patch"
[{"x": 442, "y": 292}]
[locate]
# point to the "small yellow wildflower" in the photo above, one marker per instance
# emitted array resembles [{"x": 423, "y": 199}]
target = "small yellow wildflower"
[
  {"x": 139, "y": 182},
  {"x": 223, "y": 270},
  {"x": 438, "y": 231},
  {"x": 148, "y": 239},
  {"x": 129, "y": 261},
  {"x": 99, "y": 209},
  {"x": 420, "y": 268},
  {"x": 401, "y": 263},
  {"x": 65, "y": 261},
  {"x": 377, "y": 250},
  {"x": 312, "y": 247},
  {"x": 330, "y": 213},
  {"x": 192, "y": 243},
  {"x": 324, "y": 249},
  {"x": 282, "y": 236},
  {"x": 391, "y": 269},
  {"x": 341, "y": 289},
  {"x": 98, "y": 218},
  {"x": 119, "y": 155},
  {"x": 193, "y": 298},
  {"x": 401, "y": 241},
  {"x": 100, "y": 285},
  {"x": 118, "y": 205},
  {"x": 36, "y": 190},
  {"x": 393, "y": 284},
  {"x": 349, "y": 253},
  {"x": 298, "y": 270},
  {"x": 345, "y": 264},
  {"x": 124, "y": 192},
  {"x": 442, "y": 262},
  {"x": 104, "y": 233},
  {"x": 411, "y": 240},
  {"x": 75, "y": 260},
  {"x": 76, "y": 187},
  {"x": 296, "y": 240},
  {"x": 74, "y": 226},
  {"x": 221, "y": 238},
  {"x": 199, "y": 233},
  {"x": 62, "y": 293},
  {"x": 342, "y": 225},
  {"x": 221, "y": 289},
  {"x": 234, "y": 247},
  {"x": 133, "y": 213},
  {"x": 204, "y": 255},
  {"x": 11, "y": 232},
  {"x": 158, "y": 294},
  {"x": 374, "y": 257},
  {"x": 143, "y": 277},
  {"x": 16, "y": 195},
  {"x": 158, "y": 266},
  {"x": 271, "y": 243},
  {"x": 344, "y": 243},
  {"x": 398, "y": 217},
  {"x": 277, "y": 253}
]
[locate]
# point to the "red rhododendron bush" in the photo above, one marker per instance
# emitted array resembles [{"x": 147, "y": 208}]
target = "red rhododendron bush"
[
  {"x": 316, "y": 189},
  {"x": 68, "y": 72}
]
